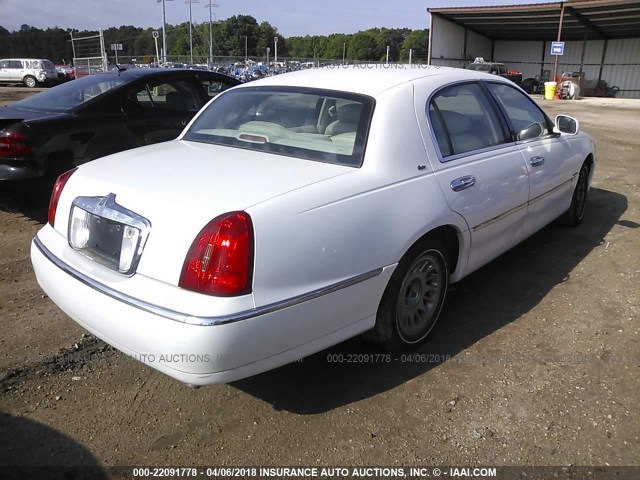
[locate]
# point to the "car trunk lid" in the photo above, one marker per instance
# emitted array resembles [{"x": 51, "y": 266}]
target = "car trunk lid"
[{"x": 180, "y": 186}]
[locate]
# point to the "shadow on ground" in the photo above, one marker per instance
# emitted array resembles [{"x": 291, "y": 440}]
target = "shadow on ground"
[
  {"x": 33, "y": 450},
  {"x": 481, "y": 304},
  {"x": 29, "y": 197}
]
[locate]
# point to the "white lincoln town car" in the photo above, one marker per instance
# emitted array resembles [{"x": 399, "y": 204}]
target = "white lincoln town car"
[{"x": 300, "y": 210}]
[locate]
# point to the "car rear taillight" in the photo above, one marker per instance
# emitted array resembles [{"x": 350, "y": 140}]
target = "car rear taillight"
[
  {"x": 55, "y": 194},
  {"x": 220, "y": 260},
  {"x": 15, "y": 144}
]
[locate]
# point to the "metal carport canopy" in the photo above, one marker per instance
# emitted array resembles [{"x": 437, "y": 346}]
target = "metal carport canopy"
[{"x": 595, "y": 19}]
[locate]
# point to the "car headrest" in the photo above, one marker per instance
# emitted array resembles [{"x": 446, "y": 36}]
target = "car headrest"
[
  {"x": 350, "y": 113},
  {"x": 456, "y": 122}
]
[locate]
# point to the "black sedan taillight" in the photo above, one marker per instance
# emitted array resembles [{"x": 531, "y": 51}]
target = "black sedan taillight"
[{"x": 15, "y": 144}]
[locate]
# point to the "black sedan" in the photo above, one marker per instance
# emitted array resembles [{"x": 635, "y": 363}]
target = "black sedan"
[{"x": 100, "y": 114}]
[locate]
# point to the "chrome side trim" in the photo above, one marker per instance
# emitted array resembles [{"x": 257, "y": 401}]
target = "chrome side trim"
[
  {"x": 500, "y": 217},
  {"x": 542, "y": 195},
  {"x": 521, "y": 206},
  {"x": 291, "y": 302},
  {"x": 200, "y": 320}
]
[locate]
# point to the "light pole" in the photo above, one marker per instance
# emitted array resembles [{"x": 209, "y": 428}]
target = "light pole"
[
  {"x": 275, "y": 53},
  {"x": 190, "y": 30},
  {"x": 387, "y": 53},
  {"x": 164, "y": 30},
  {"x": 211, "y": 6},
  {"x": 344, "y": 51},
  {"x": 155, "y": 39}
]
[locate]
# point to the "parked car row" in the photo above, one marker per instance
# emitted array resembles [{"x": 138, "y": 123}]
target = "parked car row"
[
  {"x": 292, "y": 212},
  {"x": 31, "y": 72},
  {"x": 100, "y": 114}
]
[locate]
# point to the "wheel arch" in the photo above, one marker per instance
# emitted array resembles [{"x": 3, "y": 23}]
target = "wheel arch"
[
  {"x": 590, "y": 162},
  {"x": 451, "y": 239}
]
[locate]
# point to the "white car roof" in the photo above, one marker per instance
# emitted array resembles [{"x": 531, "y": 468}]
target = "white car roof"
[{"x": 368, "y": 79}]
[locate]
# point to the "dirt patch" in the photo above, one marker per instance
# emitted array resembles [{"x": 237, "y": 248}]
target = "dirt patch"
[
  {"x": 535, "y": 361},
  {"x": 13, "y": 94}
]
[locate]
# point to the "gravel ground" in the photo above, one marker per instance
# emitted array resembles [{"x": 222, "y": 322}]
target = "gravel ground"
[{"x": 535, "y": 360}]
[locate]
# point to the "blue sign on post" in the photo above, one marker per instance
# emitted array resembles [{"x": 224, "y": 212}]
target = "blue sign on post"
[{"x": 557, "y": 48}]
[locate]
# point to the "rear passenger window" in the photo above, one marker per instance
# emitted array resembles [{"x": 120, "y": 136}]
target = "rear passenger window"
[
  {"x": 174, "y": 95},
  {"x": 526, "y": 120},
  {"x": 463, "y": 120}
]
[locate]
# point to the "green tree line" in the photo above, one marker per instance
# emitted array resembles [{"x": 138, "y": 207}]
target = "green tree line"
[{"x": 235, "y": 36}]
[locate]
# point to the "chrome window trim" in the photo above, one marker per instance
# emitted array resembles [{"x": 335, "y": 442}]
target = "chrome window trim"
[
  {"x": 499, "y": 117},
  {"x": 195, "y": 319},
  {"x": 470, "y": 153}
]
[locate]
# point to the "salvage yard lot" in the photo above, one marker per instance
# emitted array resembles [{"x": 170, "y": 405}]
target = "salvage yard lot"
[{"x": 535, "y": 361}]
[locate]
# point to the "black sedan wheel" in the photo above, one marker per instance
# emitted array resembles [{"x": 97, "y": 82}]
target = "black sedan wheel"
[{"x": 413, "y": 299}]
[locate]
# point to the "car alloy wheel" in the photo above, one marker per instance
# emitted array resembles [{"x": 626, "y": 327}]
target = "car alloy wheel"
[
  {"x": 420, "y": 297},
  {"x": 575, "y": 214},
  {"x": 580, "y": 196},
  {"x": 30, "y": 81},
  {"x": 413, "y": 299}
]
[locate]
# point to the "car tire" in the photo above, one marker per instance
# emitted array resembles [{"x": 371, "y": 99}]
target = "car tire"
[
  {"x": 413, "y": 299},
  {"x": 30, "y": 81},
  {"x": 575, "y": 214}
]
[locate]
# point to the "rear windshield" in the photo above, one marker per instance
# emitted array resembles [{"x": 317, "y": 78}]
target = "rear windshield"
[
  {"x": 311, "y": 124},
  {"x": 71, "y": 94}
]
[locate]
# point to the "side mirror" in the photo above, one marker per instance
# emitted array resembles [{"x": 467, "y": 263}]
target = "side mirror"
[
  {"x": 567, "y": 124},
  {"x": 531, "y": 131}
]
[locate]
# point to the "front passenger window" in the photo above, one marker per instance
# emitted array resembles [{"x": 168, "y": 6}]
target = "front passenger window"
[
  {"x": 214, "y": 88},
  {"x": 526, "y": 120},
  {"x": 463, "y": 120}
]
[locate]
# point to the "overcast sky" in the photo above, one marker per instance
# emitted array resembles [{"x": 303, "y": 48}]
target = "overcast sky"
[{"x": 290, "y": 17}]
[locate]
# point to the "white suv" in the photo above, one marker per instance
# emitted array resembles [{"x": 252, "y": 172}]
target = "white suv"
[{"x": 30, "y": 71}]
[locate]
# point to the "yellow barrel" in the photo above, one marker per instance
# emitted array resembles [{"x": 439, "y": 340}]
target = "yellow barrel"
[{"x": 550, "y": 90}]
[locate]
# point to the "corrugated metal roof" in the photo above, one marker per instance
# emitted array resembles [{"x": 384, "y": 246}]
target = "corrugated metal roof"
[{"x": 597, "y": 19}]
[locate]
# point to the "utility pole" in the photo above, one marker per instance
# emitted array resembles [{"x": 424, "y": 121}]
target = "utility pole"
[
  {"x": 387, "y": 53},
  {"x": 344, "y": 51},
  {"x": 246, "y": 50}
]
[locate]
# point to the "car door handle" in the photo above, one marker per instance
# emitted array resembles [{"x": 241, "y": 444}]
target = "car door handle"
[
  {"x": 536, "y": 161},
  {"x": 463, "y": 183}
]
